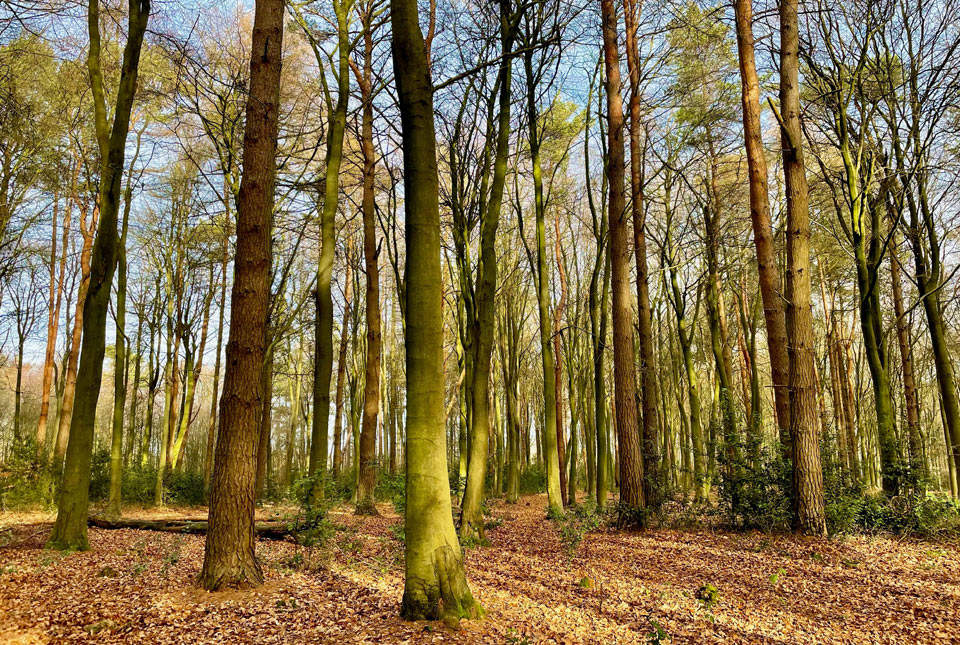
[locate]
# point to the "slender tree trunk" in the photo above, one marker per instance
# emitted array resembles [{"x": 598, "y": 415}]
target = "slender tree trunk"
[
  {"x": 53, "y": 312},
  {"x": 323, "y": 363},
  {"x": 557, "y": 361},
  {"x": 471, "y": 518},
  {"x": 549, "y": 455},
  {"x": 632, "y": 497},
  {"x": 264, "y": 441},
  {"x": 229, "y": 558},
  {"x": 371, "y": 383},
  {"x": 653, "y": 482},
  {"x": 88, "y": 231},
  {"x": 769, "y": 275},
  {"x": 120, "y": 355},
  {"x": 341, "y": 376},
  {"x": 70, "y": 529},
  {"x": 906, "y": 361},
  {"x": 214, "y": 400}
]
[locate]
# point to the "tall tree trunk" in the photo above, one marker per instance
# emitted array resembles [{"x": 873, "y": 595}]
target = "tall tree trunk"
[
  {"x": 371, "y": 383},
  {"x": 229, "y": 558},
  {"x": 769, "y": 275},
  {"x": 264, "y": 442},
  {"x": 471, "y": 518},
  {"x": 557, "y": 361},
  {"x": 554, "y": 498},
  {"x": 53, "y": 311},
  {"x": 120, "y": 355},
  {"x": 214, "y": 400},
  {"x": 70, "y": 529},
  {"x": 653, "y": 483},
  {"x": 906, "y": 362},
  {"x": 434, "y": 583},
  {"x": 341, "y": 376},
  {"x": 88, "y": 231},
  {"x": 632, "y": 497},
  {"x": 323, "y": 363},
  {"x": 804, "y": 431}
]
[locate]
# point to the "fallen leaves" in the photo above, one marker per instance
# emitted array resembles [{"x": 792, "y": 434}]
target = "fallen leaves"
[{"x": 139, "y": 587}]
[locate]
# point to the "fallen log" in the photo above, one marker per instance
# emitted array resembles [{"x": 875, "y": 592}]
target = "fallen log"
[{"x": 265, "y": 530}]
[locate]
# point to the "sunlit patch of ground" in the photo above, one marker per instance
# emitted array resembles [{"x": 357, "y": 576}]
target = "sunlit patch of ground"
[{"x": 139, "y": 587}]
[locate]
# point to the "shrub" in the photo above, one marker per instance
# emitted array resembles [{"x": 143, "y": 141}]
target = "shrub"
[
  {"x": 100, "y": 474},
  {"x": 392, "y": 488},
  {"x": 533, "y": 480},
  {"x": 25, "y": 479},
  {"x": 755, "y": 493},
  {"x": 576, "y": 523}
]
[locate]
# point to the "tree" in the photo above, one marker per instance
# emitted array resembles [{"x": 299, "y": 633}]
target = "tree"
[
  {"x": 435, "y": 584},
  {"x": 632, "y": 497},
  {"x": 70, "y": 529},
  {"x": 804, "y": 423},
  {"x": 229, "y": 558},
  {"x": 367, "y": 477},
  {"x": 769, "y": 274}
]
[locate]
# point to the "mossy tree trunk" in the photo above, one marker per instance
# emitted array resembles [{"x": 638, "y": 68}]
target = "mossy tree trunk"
[
  {"x": 435, "y": 584},
  {"x": 70, "y": 529}
]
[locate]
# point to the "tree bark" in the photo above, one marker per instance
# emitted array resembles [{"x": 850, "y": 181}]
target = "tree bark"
[
  {"x": 371, "y": 383},
  {"x": 434, "y": 583},
  {"x": 632, "y": 496},
  {"x": 768, "y": 274},
  {"x": 653, "y": 483},
  {"x": 229, "y": 558},
  {"x": 804, "y": 431}
]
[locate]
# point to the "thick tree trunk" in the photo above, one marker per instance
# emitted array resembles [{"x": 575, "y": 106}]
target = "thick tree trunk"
[
  {"x": 229, "y": 558},
  {"x": 435, "y": 583},
  {"x": 804, "y": 431}
]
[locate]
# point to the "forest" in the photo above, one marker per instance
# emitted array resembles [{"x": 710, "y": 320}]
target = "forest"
[{"x": 521, "y": 321}]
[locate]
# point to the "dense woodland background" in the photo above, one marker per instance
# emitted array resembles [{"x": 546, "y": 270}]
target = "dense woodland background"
[{"x": 633, "y": 298}]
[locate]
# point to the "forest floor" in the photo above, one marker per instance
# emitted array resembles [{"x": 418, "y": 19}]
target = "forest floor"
[{"x": 139, "y": 587}]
